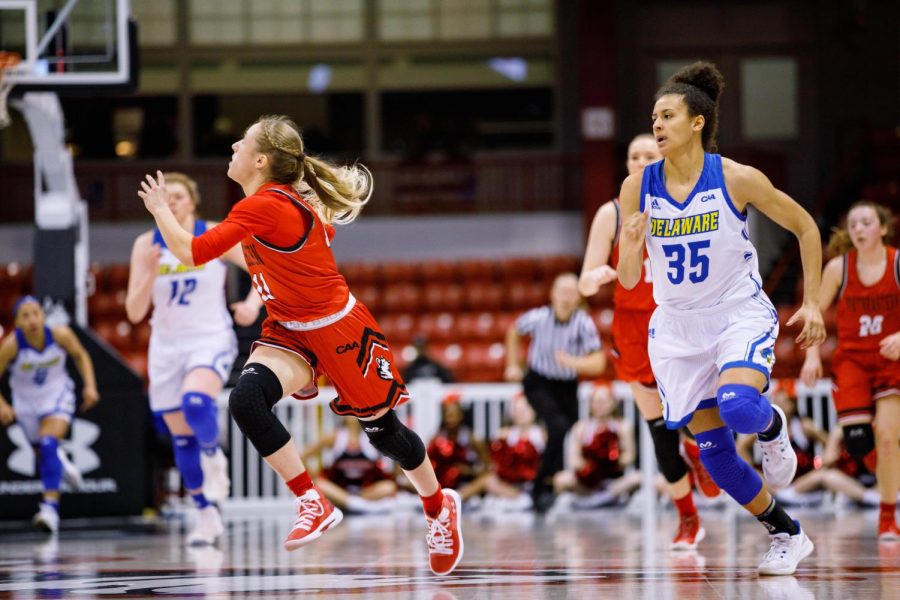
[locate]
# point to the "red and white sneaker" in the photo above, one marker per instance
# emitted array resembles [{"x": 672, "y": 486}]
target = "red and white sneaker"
[
  {"x": 315, "y": 515},
  {"x": 444, "y": 539},
  {"x": 702, "y": 478},
  {"x": 689, "y": 534},
  {"x": 888, "y": 530}
]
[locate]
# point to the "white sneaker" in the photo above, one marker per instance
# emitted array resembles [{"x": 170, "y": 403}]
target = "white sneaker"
[
  {"x": 207, "y": 528},
  {"x": 46, "y": 518},
  {"x": 216, "y": 483},
  {"x": 779, "y": 459},
  {"x": 785, "y": 552},
  {"x": 71, "y": 475}
]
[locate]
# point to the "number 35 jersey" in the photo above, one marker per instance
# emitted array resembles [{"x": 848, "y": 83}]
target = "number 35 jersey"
[
  {"x": 700, "y": 252},
  {"x": 188, "y": 300}
]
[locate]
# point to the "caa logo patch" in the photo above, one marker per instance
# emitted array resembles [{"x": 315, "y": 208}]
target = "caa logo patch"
[{"x": 347, "y": 348}]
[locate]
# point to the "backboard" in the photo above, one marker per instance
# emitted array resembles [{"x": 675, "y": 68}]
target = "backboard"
[{"x": 68, "y": 43}]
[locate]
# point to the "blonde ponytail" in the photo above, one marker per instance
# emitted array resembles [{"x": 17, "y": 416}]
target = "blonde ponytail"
[{"x": 341, "y": 191}]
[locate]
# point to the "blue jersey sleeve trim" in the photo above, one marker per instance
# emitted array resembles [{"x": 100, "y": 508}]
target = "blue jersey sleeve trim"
[
  {"x": 166, "y": 411},
  {"x": 21, "y": 340},
  {"x": 200, "y": 226},
  {"x": 717, "y": 162},
  {"x": 158, "y": 238}
]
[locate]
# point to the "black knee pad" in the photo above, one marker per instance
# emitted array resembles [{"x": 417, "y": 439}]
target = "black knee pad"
[
  {"x": 666, "y": 446},
  {"x": 250, "y": 404},
  {"x": 859, "y": 439},
  {"x": 395, "y": 440}
]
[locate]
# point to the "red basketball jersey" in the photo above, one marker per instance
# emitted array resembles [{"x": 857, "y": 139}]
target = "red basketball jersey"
[
  {"x": 288, "y": 252},
  {"x": 640, "y": 297},
  {"x": 867, "y": 314}
]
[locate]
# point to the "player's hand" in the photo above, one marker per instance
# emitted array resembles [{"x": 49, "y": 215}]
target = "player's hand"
[
  {"x": 154, "y": 193},
  {"x": 634, "y": 230},
  {"x": 564, "y": 359},
  {"x": 811, "y": 371},
  {"x": 889, "y": 347},
  {"x": 813, "y": 332},
  {"x": 7, "y": 414},
  {"x": 591, "y": 281},
  {"x": 513, "y": 373},
  {"x": 245, "y": 313},
  {"x": 151, "y": 259},
  {"x": 90, "y": 398}
]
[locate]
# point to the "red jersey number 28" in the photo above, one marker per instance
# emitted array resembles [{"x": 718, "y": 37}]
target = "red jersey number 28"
[{"x": 870, "y": 325}]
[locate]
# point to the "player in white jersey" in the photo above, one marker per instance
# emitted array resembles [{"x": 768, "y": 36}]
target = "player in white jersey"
[
  {"x": 43, "y": 398},
  {"x": 711, "y": 337},
  {"x": 192, "y": 349}
]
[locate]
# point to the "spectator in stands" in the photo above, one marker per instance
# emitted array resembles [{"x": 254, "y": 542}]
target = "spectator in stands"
[
  {"x": 835, "y": 470},
  {"x": 564, "y": 345},
  {"x": 424, "y": 366},
  {"x": 631, "y": 319},
  {"x": 515, "y": 458},
  {"x": 865, "y": 277},
  {"x": 43, "y": 398},
  {"x": 460, "y": 459},
  {"x": 285, "y": 225},
  {"x": 600, "y": 448},
  {"x": 192, "y": 349},
  {"x": 354, "y": 478}
]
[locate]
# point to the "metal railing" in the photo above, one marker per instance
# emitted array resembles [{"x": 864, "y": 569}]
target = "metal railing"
[{"x": 254, "y": 482}]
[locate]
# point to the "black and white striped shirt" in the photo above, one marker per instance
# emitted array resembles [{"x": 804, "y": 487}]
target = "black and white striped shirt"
[{"x": 577, "y": 336}]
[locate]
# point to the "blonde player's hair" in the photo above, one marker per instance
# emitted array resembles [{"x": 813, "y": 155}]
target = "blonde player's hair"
[{"x": 341, "y": 191}]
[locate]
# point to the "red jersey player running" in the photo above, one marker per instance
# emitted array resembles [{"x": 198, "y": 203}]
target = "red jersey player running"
[
  {"x": 631, "y": 319},
  {"x": 314, "y": 324},
  {"x": 865, "y": 276}
]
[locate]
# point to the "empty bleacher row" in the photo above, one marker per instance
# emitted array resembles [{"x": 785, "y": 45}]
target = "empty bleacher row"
[{"x": 462, "y": 308}]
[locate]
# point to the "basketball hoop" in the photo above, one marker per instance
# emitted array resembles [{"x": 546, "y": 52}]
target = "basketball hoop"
[{"x": 7, "y": 61}]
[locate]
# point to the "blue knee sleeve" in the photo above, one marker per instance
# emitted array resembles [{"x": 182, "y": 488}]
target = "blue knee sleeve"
[
  {"x": 743, "y": 408},
  {"x": 728, "y": 470},
  {"x": 200, "y": 413},
  {"x": 187, "y": 457},
  {"x": 49, "y": 464}
]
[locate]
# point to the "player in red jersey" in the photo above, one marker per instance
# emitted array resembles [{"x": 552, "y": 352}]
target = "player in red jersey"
[
  {"x": 631, "y": 319},
  {"x": 865, "y": 277},
  {"x": 284, "y": 225}
]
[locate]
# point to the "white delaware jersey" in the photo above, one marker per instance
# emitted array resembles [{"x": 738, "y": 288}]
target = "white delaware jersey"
[
  {"x": 700, "y": 251},
  {"x": 37, "y": 375},
  {"x": 188, "y": 300}
]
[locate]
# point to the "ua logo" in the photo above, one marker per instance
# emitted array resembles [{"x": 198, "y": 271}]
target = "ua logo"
[
  {"x": 729, "y": 396},
  {"x": 384, "y": 368},
  {"x": 84, "y": 433}
]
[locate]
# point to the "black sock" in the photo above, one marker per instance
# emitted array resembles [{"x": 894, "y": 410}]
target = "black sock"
[
  {"x": 778, "y": 521},
  {"x": 771, "y": 432}
]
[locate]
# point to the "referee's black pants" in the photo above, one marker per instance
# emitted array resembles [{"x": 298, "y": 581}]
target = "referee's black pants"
[{"x": 555, "y": 401}]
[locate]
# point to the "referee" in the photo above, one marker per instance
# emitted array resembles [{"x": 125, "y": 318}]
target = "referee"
[{"x": 564, "y": 345}]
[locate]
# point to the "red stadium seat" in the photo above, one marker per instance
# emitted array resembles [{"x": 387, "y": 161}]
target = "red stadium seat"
[
  {"x": 368, "y": 294},
  {"x": 116, "y": 333},
  {"x": 478, "y": 270},
  {"x": 358, "y": 274},
  {"x": 437, "y": 327},
  {"x": 140, "y": 337},
  {"x": 475, "y": 326},
  {"x": 401, "y": 297},
  {"x": 551, "y": 266},
  {"x": 137, "y": 361},
  {"x": 522, "y": 295},
  {"x": 400, "y": 272},
  {"x": 485, "y": 362},
  {"x": 442, "y": 296},
  {"x": 480, "y": 296},
  {"x": 439, "y": 270},
  {"x": 603, "y": 319},
  {"x": 451, "y": 356},
  {"x": 518, "y": 269},
  {"x": 117, "y": 278},
  {"x": 398, "y": 328}
]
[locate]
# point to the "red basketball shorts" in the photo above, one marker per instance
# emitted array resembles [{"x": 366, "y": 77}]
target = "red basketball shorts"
[
  {"x": 861, "y": 378},
  {"x": 355, "y": 356},
  {"x": 629, "y": 329}
]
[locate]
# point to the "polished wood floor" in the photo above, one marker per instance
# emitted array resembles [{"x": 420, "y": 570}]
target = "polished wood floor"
[{"x": 610, "y": 553}]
